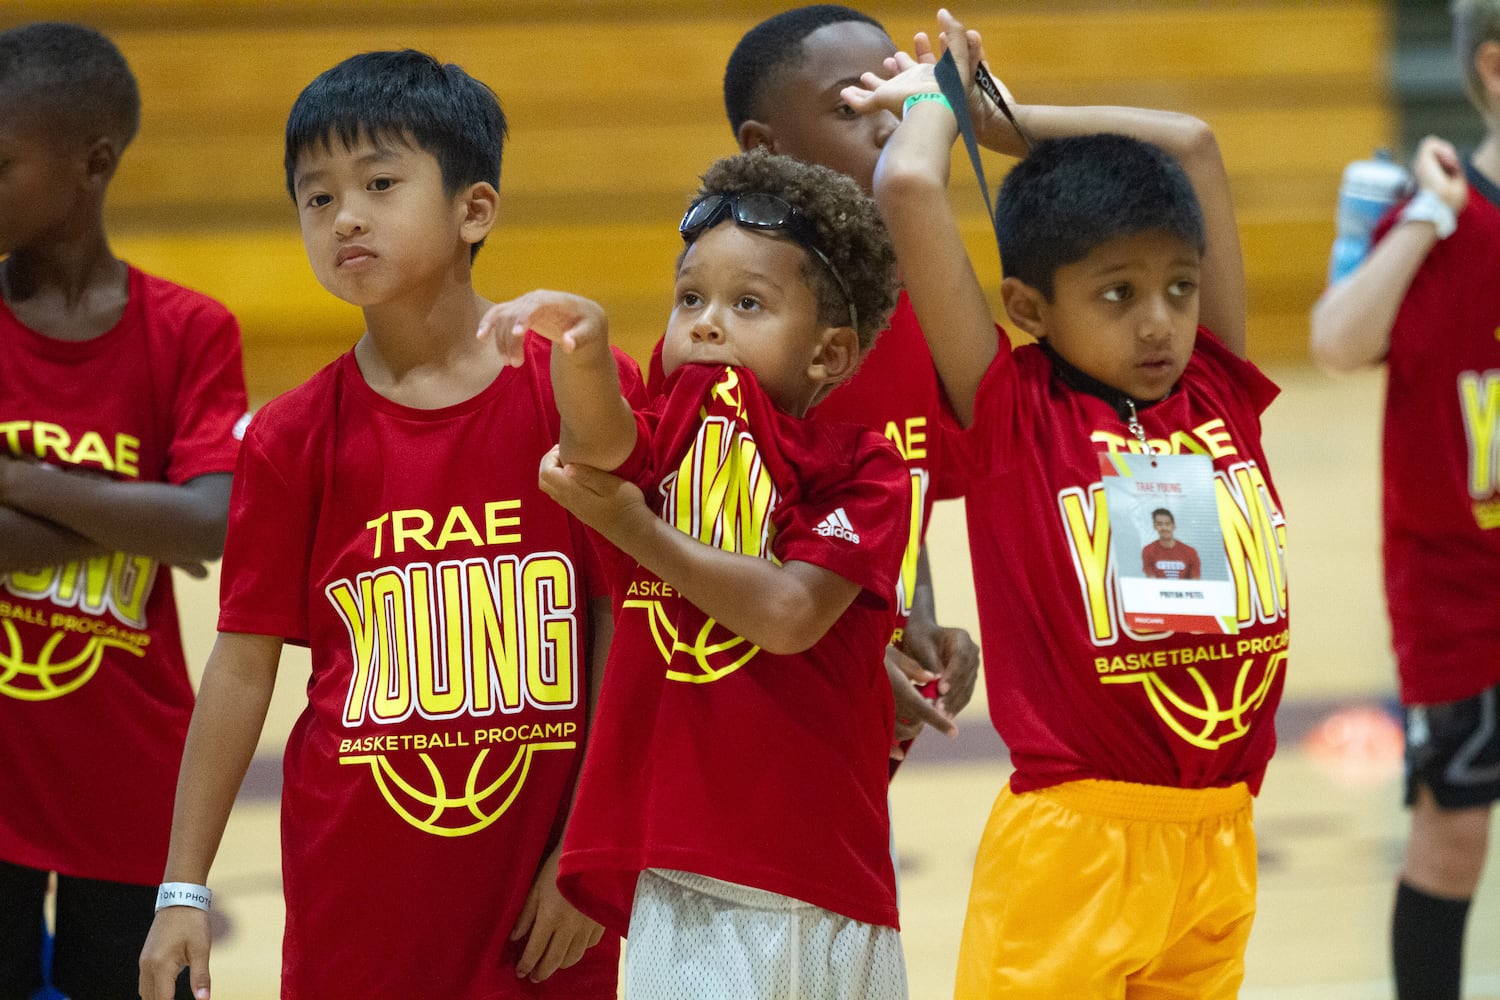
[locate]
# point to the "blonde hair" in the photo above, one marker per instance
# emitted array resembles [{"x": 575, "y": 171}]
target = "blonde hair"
[{"x": 1474, "y": 23}]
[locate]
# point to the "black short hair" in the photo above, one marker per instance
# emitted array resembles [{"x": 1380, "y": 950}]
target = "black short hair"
[
  {"x": 1070, "y": 195},
  {"x": 74, "y": 76},
  {"x": 1163, "y": 512},
  {"x": 402, "y": 96},
  {"x": 772, "y": 46},
  {"x": 846, "y": 226}
]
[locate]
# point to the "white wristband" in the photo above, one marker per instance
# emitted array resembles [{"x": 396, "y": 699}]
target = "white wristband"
[
  {"x": 1428, "y": 207},
  {"x": 183, "y": 894}
]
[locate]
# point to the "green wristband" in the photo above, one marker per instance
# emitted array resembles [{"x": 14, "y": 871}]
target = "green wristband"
[{"x": 926, "y": 96}]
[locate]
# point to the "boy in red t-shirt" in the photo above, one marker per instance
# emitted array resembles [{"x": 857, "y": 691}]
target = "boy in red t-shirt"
[
  {"x": 1120, "y": 860},
  {"x": 386, "y": 514},
  {"x": 122, "y": 396},
  {"x": 1424, "y": 304},
  {"x": 732, "y": 807},
  {"x": 781, "y": 94}
]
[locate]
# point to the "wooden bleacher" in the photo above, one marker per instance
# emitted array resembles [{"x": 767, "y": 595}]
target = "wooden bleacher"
[{"x": 615, "y": 109}]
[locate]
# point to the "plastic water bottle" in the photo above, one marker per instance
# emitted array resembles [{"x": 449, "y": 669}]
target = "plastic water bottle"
[{"x": 1369, "y": 188}]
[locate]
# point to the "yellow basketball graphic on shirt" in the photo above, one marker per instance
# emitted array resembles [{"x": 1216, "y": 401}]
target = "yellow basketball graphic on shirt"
[
  {"x": 430, "y": 803},
  {"x": 491, "y": 643},
  {"x": 722, "y": 495},
  {"x": 714, "y": 651},
  {"x": 46, "y": 678},
  {"x": 93, "y": 606},
  {"x": 1196, "y": 714}
]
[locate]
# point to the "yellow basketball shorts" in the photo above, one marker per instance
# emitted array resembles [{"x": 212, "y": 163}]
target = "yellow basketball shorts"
[{"x": 1108, "y": 889}]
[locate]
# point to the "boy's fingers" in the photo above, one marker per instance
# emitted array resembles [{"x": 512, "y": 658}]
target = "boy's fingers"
[
  {"x": 909, "y": 667},
  {"x": 526, "y": 919},
  {"x": 536, "y": 945}
]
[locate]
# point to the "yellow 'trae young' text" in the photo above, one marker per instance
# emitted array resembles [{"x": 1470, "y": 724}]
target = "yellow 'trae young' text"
[
  {"x": 51, "y": 442},
  {"x": 499, "y": 523},
  {"x": 460, "y": 638}
]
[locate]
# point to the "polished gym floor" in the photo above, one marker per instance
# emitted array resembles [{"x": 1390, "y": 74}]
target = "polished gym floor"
[{"x": 1329, "y": 822}]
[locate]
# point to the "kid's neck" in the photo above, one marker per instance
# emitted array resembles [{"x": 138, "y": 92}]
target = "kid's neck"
[
  {"x": 1486, "y": 158},
  {"x": 426, "y": 355},
  {"x": 70, "y": 292}
]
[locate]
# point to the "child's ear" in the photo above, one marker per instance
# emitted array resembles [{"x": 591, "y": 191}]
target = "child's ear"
[
  {"x": 837, "y": 356},
  {"x": 481, "y": 204},
  {"x": 1026, "y": 306},
  {"x": 756, "y": 135},
  {"x": 1487, "y": 65},
  {"x": 101, "y": 159}
]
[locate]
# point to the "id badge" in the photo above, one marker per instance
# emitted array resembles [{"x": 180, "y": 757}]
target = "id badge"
[{"x": 1167, "y": 543}]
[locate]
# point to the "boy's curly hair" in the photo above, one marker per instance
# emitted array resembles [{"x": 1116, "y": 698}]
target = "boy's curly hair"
[{"x": 847, "y": 228}]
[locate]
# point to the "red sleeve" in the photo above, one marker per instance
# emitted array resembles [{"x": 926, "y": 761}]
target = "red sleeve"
[
  {"x": 263, "y": 578},
  {"x": 210, "y": 404},
  {"x": 854, "y": 522}
]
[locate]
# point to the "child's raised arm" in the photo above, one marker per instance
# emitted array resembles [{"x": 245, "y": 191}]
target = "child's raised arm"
[
  {"x": 782, "y": 608},
  {"x": 911, "y": 188},
  {"x": 598, "y": 426},
  {"x": 1221, "y": 288},
  {"x": 1352, "y": 320},
  {"x": 1222, "y": 297}
]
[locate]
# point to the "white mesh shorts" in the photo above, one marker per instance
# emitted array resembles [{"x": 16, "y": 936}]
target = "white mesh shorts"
[{"x": 692, "y": 936}]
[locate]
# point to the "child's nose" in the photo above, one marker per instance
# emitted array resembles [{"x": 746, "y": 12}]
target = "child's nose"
[
  {"x": 1156, "y": 321},
  {"x": 348, "y": 222},
  {"x": 705, "y": 330}
]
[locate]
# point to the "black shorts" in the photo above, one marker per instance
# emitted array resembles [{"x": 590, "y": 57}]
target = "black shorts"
[
  {"x": 1453, "y": 748},
  {"x": 101, "y": 927}
]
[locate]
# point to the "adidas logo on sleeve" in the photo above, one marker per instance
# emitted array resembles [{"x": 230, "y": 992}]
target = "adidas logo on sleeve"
[{"x": 836, "y": 525}]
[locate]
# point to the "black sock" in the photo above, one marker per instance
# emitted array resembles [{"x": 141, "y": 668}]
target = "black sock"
[{"x": 1427, "y": 945}]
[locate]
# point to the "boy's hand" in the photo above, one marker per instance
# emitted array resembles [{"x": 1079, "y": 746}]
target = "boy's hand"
[
  {"x": 913, "y": 711},
  {"x": 948, "y": 653},
  {"x": 1438, "y": 168},
  {"x": 968, "y": 55},
  {"x": 569, "y": 321},
  {"x": 873, "y": 93},
  {"x": 556, "y": 934},
  {"x": 603, "y": 501},
  {"x": 178, "y": 937}
]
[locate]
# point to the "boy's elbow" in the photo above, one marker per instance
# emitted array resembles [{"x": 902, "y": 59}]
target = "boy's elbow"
[
  {"x": 901, "y": 180},
  {"x": 1333, "y": 356},
  {"x": 790, "y": 630}
]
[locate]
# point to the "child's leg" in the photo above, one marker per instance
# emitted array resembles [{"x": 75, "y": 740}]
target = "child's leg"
[
  {"x": 101, "y": 927},
  {"x": 1452, "y": 781},
  {"x": 1205, "y": 952},
  {"x": 735, "y": 942},
  {"x": 1075, "y": 889},
  {"x": 22, "y": 891}
]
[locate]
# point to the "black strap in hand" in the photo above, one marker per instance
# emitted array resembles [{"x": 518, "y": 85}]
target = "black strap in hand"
[{"x": 957, "y": 94}]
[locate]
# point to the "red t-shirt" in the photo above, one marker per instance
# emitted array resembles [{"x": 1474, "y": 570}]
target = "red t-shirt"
[
  {"x": 1180, "y": 562},
  {"x": 710, "y": 755},
  {"x": 445, "y": 601},
  {"x": 1073, "y": 692},
  {"x": 895, "y": 392},
  {"x": 1442, "y": 466},
  {"x": 94, "y": 692}
]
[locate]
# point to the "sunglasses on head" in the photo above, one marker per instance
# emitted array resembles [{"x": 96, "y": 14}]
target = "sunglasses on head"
[{"x": 759, "y": 210}]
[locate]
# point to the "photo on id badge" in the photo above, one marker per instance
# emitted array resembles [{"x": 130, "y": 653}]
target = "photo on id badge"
[{"x": 1166, "y": 543}]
